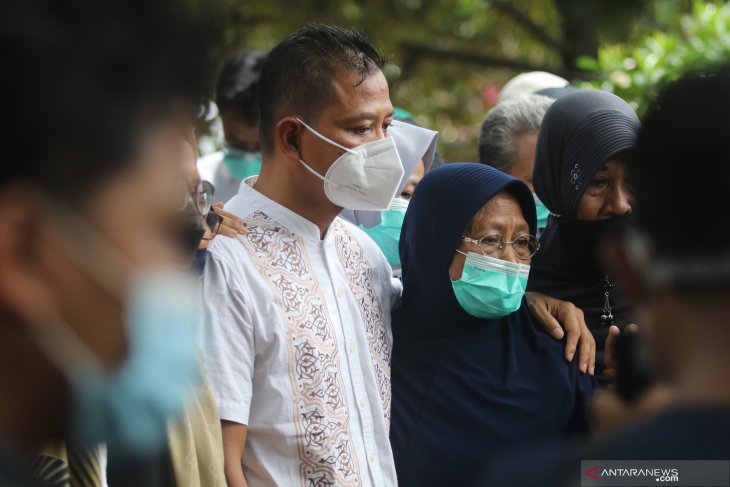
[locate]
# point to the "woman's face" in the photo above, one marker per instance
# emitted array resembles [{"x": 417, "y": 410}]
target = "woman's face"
[
  {"x": 413, "y": 180},
  {"x": 608, "y": 195},
  {"x": 502, "y": 214}
]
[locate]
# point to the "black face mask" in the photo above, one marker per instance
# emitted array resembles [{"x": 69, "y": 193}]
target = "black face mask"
[{"x": 584, "y": 238}]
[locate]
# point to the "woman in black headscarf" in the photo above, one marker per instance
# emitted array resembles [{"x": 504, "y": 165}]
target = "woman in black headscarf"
[
  {"x": 472, "y": 372},
  {"x": 580, "y": 175}
]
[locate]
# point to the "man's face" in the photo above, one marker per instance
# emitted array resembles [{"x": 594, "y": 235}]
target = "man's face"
[
  {"x": 239, "y": 134},
  {"x": 360, "y": 113},
  {"x": 524, "y": 158},
  {"x": 137, "y": 226}
]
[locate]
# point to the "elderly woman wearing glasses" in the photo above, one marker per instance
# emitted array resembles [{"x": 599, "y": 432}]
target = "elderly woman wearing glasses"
[{"x": 473, "y": 373}]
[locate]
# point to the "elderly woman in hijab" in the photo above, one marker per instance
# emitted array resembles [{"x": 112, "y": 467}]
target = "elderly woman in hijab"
[
  {"x": 580, "y": 175},
  {"x": 472, "y": 372}
]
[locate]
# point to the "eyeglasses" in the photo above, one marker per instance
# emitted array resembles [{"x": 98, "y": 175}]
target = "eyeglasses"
[
  {"x": 213, "y": 220},
  {"x": 492, "y": 245},
  {"x": 200, "y": 196}
]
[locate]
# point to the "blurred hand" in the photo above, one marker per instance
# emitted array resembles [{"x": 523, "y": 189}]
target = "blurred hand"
[
  {"x": 231, "y": 225},
  {"x": 561, "y": 318},
  {"x": 610, "y": 412},
  {"x": 609, "y": 356}
]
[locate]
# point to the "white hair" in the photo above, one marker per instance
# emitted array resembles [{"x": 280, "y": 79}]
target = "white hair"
[{"x": 510, "y": 119}]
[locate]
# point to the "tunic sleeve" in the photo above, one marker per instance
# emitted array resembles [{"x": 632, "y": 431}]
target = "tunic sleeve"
[{"x": 228, "y": 348}]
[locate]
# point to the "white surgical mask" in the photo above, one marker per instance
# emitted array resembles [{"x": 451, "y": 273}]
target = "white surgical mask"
[{"x": 363, "y": 178}]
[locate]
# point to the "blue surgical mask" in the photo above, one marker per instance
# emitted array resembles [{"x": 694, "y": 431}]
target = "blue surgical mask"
[
  {"x": 490, "y": 288},
  {"x": 128, "y": 407},
  {"x": 242, "y": 164},
  {"x": 387, "y": 233},
  {"x": 542, "y": 212}
]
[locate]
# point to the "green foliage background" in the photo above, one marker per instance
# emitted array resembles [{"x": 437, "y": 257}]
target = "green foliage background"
[
  {"x": 695, "y": 41},
  {"x": 449, "y": 58}
]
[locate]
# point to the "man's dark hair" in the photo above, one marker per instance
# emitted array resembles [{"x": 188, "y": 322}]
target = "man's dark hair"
[
  {"x": 681, "y": 169},
  {"x": 238, "y": 85},
  {"x": 298, "y": 75},
  {"x": 83, "y": 78}
]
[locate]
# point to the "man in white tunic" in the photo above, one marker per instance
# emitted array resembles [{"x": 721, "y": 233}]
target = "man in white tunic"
[{"x": 298, "y": 306}]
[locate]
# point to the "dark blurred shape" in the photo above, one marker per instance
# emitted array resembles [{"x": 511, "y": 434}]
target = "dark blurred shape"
[
  {"x": 238, "y": 84},
  {"x": 634, "y": 371},
  {"x": 689, "y": 178},
  {"x": 82, "y": 78}
]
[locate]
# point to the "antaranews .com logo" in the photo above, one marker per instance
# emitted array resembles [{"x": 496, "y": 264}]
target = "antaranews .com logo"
[
  {"x": 683, "y": 473},
  {"x": 661, "y": 474}
]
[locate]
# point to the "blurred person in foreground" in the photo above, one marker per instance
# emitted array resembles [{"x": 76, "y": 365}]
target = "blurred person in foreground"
[
  {"x": 194, "y": 454},
  {"x": 237, "y": 101},
  {"x": 298, "y": 306},
  {"x": 681, "y": 284},
  {"x": 98, "y": 322},
  {"x": 507, "y": 141}
]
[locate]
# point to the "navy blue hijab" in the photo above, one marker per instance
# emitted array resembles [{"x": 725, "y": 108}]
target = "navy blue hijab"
[
  {"x": 439, "y": 212},
  {"x": 465, "y": 388}
]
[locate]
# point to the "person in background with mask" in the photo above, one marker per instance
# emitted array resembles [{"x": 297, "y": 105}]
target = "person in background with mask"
[
  {"x": 473, "y": 373},
  {"x": 98, "y": 323},
  {"x": 507, "y": 141},
  {"x": 237, "y": 102}
]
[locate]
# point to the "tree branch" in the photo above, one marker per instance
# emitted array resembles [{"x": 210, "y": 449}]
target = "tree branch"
[
  {"x": 537, "y": 31},
  {"x": 420, "y": 50}
]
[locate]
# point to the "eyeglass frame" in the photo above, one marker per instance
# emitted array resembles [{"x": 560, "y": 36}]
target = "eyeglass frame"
[
  {"x": 503, "y": 244},
  {"x": 214, "y": 221},
  {"x": 192, "y": 196}
]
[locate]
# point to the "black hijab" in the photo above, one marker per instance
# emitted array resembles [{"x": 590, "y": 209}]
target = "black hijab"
[
  {"x": 580, "y": 132},
  {"x": 465, "y": 388}
]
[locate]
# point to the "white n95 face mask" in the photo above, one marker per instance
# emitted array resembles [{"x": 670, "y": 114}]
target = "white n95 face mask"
[{"x": 363, "y": 178}]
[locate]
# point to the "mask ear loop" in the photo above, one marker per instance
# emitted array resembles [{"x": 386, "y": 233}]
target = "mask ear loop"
[
  {"x": 310, "y": 168},
  {"x": 329, "y": 141}
]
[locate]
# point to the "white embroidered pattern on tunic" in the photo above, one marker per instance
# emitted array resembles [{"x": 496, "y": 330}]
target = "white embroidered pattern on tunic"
[
  {"x": 320, "y": 411},
  {"x": 360, "y": 279}
]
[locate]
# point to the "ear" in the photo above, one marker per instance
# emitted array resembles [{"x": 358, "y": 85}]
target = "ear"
[
  {"x": 288, "y": 134},
  {"x": 23, "y": 292}
]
